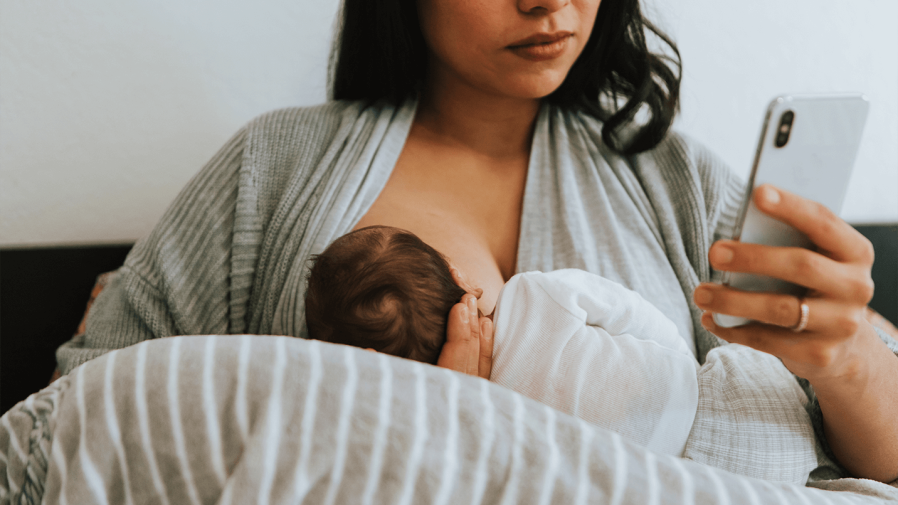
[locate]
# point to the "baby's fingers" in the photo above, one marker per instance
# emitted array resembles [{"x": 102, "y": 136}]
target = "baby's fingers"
[
  {"x": 473, "y": 363},
  {"x": 486, "y": 348},
  {"x": 460, "y": 347}
]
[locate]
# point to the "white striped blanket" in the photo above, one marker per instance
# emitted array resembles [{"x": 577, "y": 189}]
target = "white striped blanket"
[{"x": 248, "y": 419}]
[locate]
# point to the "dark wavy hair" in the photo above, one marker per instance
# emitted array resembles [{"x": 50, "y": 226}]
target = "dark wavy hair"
[
  {"x": 382, "y": 288},
  {"x": 379, "y": 53}
]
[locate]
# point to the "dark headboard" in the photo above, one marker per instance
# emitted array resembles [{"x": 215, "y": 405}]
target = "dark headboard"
[
  {"x": 43, "y": 292},
  {"x": 885, "y": 268}
]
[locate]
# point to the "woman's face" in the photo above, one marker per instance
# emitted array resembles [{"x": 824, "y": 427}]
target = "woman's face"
[{"x": 514, "y": 48}]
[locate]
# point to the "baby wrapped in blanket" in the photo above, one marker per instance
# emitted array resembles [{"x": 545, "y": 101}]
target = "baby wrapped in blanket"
[{"x": 579, "y": 343}]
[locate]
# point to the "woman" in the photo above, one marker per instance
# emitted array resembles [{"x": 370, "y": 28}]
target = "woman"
[{"x": 549, "y": 116}]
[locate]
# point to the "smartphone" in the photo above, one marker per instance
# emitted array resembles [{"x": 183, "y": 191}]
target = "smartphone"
[{"x": 808, "y": 146}]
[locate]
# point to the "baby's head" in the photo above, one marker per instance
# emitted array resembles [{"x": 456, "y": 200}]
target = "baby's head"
[{"x": 382, "y": 288}]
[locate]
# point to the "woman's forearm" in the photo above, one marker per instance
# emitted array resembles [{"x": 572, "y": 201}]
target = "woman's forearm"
[{"x": 860, "y": 412}]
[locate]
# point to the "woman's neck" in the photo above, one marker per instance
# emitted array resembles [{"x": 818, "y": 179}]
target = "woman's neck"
[{"x": 495, "y": 126}]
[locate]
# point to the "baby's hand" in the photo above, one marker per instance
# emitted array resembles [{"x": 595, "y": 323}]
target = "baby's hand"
[{"x": 469, "y": 340}]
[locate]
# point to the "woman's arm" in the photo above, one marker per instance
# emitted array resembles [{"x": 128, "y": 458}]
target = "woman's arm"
[
  {"x": 853, "y": 372},
  {"x": 178, "y": 280}
]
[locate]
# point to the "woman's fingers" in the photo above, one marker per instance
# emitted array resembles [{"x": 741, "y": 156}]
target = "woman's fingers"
[
  {"x": 780, "y": 342},
  {"x": 778, "y": 309},
  {"x": 797, "y": 265},
  {"x": 837, "y": 274},
  {"x": 806, "y": 354},
  {"x": 770, "y": 308},
  {"x": 822, "y": 226}
]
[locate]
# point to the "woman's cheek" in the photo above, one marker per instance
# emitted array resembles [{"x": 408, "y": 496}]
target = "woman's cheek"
[{"x": 468, "y": 40}]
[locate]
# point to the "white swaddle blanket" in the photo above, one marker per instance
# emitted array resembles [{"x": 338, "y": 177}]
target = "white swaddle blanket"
[
  {"x": 589, "y": 347},
  {"x": 594, "y": 349}
]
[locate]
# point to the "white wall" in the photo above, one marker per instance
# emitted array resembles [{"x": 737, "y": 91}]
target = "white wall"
[
  {"x": 107, "y": 108},
  {"x": 738, "y": 55}
]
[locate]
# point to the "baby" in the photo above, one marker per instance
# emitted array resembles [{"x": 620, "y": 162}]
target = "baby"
[
  {"x": 382, "y": 288},
  {"x": 577, "y": 342}
]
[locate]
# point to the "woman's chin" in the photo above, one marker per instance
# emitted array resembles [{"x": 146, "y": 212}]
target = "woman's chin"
[{"x": 528, "y": 87}]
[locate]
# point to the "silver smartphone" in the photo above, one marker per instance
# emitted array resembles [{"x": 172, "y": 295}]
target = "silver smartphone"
[{"x": 808, "y": 146}]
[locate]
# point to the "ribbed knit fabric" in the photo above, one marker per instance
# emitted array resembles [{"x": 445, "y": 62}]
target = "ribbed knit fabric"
[{"x": 230, "y": 254}]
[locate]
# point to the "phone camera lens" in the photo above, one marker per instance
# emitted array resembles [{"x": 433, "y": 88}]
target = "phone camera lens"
[{"x": 784, "y": 130}]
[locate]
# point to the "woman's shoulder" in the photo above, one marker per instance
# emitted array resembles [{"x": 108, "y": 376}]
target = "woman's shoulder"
[
  {"x": 678, "y": 149},
  {"x": 676, "y": 152},
  {"x": 300, "y": 113},
  {"x": 282, "y": 122},
  {"x": 680, "y": 174},
  {"x": 278, "y": 138},
  {"x": 681, "y": 165},
  {"x": 322, "y": 117}
]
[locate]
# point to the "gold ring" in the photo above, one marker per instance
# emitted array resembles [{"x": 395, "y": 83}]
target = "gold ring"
[{"x": 805, "y": 315}]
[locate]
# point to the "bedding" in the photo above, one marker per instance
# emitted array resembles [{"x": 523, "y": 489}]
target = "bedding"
[{"x": 250, "y": 419}]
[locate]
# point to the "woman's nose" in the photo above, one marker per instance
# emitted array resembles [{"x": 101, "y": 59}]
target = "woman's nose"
[{"x": 541, "y": 6}]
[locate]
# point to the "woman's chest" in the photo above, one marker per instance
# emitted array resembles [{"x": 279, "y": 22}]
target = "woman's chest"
[{"x": 465, "y": 208}]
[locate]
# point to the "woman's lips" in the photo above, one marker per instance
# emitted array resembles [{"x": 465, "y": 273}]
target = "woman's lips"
[{"x": 542, "y": 47}]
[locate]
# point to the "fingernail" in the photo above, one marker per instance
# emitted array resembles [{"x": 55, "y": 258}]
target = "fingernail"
[
  {"x": 771, "y": 195},
  {"x": 721, "y": 254},
  {"x": 703, "y": 296},
  {"x": 464, "y": 314}
]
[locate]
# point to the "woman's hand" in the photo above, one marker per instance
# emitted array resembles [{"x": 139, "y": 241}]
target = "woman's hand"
[
  {"x": 837, "y": 276},
  {"x": 853, "y": 372},
  {"x": 469, "y": 337}
]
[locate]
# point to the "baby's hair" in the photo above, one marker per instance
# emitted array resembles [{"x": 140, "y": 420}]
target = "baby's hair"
[{"x": 382, "y": 288}]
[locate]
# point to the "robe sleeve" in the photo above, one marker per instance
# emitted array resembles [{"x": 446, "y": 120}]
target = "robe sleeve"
[{"x": 176, "y": 281}]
